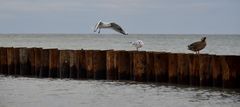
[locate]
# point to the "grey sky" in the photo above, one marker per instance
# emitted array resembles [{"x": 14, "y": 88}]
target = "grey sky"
[{"x": 135, "y": 16}]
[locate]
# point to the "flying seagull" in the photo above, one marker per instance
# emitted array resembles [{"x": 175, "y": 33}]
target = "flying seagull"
[
  {"x": 197, "y": 46},
  {"x": 112, "y": 25},
  {"x": 138, "y": 44}
]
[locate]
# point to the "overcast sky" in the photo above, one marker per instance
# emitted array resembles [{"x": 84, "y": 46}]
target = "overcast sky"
[{"x": 135, "y": 16}]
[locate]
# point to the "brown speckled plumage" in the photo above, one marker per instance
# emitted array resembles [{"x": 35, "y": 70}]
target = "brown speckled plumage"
[{"x": 197, "y": 46}]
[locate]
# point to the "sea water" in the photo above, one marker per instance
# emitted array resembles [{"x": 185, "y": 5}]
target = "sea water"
[{"x": 177, "y": 43}]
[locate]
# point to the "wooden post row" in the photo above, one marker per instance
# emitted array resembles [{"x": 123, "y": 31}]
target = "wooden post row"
[{"x": 199, "y": 70}]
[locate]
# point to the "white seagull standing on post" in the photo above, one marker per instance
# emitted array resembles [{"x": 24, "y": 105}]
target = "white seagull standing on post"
[
  {"x": 112, "y": 25},
  {"x": 138, "y": 44}
]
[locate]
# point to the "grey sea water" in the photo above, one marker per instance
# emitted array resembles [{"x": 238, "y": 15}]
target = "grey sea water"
[
  {"x": 29, "y": 92},
  {"x": 32, "y": 92},
  {"x": 216, "y": 44}
]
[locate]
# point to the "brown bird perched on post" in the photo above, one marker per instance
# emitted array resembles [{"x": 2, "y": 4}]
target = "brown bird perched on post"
[{"x": 197, "y": 46}]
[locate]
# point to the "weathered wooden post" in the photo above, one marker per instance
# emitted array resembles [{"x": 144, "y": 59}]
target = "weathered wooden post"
[
  {"x": 16, "y": 62},
  {"x": 161, "y": 67},
  {"x": 10, "y": 61},
  {"x": 172, "y": 68},
  {"x": 38, "y": 61},
  {"x": 123, "y": 65},
  {"x": 44, "y": 72},
  {"x": 225, "y": 72},
  {"x": 3, "y": 57},
  {"x": 139, "y": 66},
  {"x": 194, "y": 70},
  {"x": 82, "y": 64},
  {"x": 99, "y": 64},
  {"x": 24, "y": 62},
  {"x": 74, "y": 64},
  {"x": 89, "y": 64},
  {"x": 31, "y": 58},
  {"x": 112, "y": 73},
  {"x": 231, "y": 68},
  {"x": 205, "y": 74},
  {"x": 64, "y": 64},
  {"x": 150, "y": 71},
  {"x": 183, "y": 68},
  {"x": 54, "y": 63},
  {"x": 216, "y": 71}
]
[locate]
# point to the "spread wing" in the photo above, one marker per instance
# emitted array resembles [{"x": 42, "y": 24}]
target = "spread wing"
[
  {"x": 118, "y": 28},
  {"x": 96, "y": 26}
]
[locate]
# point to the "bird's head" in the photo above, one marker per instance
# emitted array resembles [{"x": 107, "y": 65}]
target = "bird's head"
[{"x": 203, "y": 39}]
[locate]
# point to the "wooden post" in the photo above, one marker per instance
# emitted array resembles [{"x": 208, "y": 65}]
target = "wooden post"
[
  {"x": 82, "y": 64},
  {"x": 216, "y": 71},
  {"x": 64, "y": 64},
  {"x": 205, "y": 74},
  {"x": 10, "y": 61},
  {"x": 183, "y": 68},
  {"x": 54, "y": 63},
  {"x": 231, "y": 67},
  {"x": 225, "y": 72},
  {"x": 150, "y": 67},
  {"x": 24, "y": 62},
  {"x": 112, "y": 73},
  {"x": 89, "y": 64},
  {"x": 161, "y": 67},
  {"x": 4, "y": 67},
  {"x": 38, "y": 61},
  {"x": 139, "y": 66},
  {"x": 44, "y": 72},
  {"x": 16, "y": 62},
  {"x": 74, "y": 64},
  {"x": 31, "y": 58},
  {"x": 123, "y": 65},
  {"x": 172, "y": 68},
  {"x": 99, "y": 64},
  {"x": 194, "y": 70}
]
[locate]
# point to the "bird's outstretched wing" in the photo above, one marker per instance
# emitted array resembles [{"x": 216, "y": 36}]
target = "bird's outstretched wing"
[
  {"x": 117, "y": 28},
  {"x": 96, "y": 26}
]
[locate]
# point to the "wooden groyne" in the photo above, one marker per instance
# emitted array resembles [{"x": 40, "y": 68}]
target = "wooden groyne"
[{"x": 190, "y": 69}]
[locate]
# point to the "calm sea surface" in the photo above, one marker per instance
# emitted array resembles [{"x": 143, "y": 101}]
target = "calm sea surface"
[
  {"x": 216, "y": 44},
  {"x": 33, "y": 92}
]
